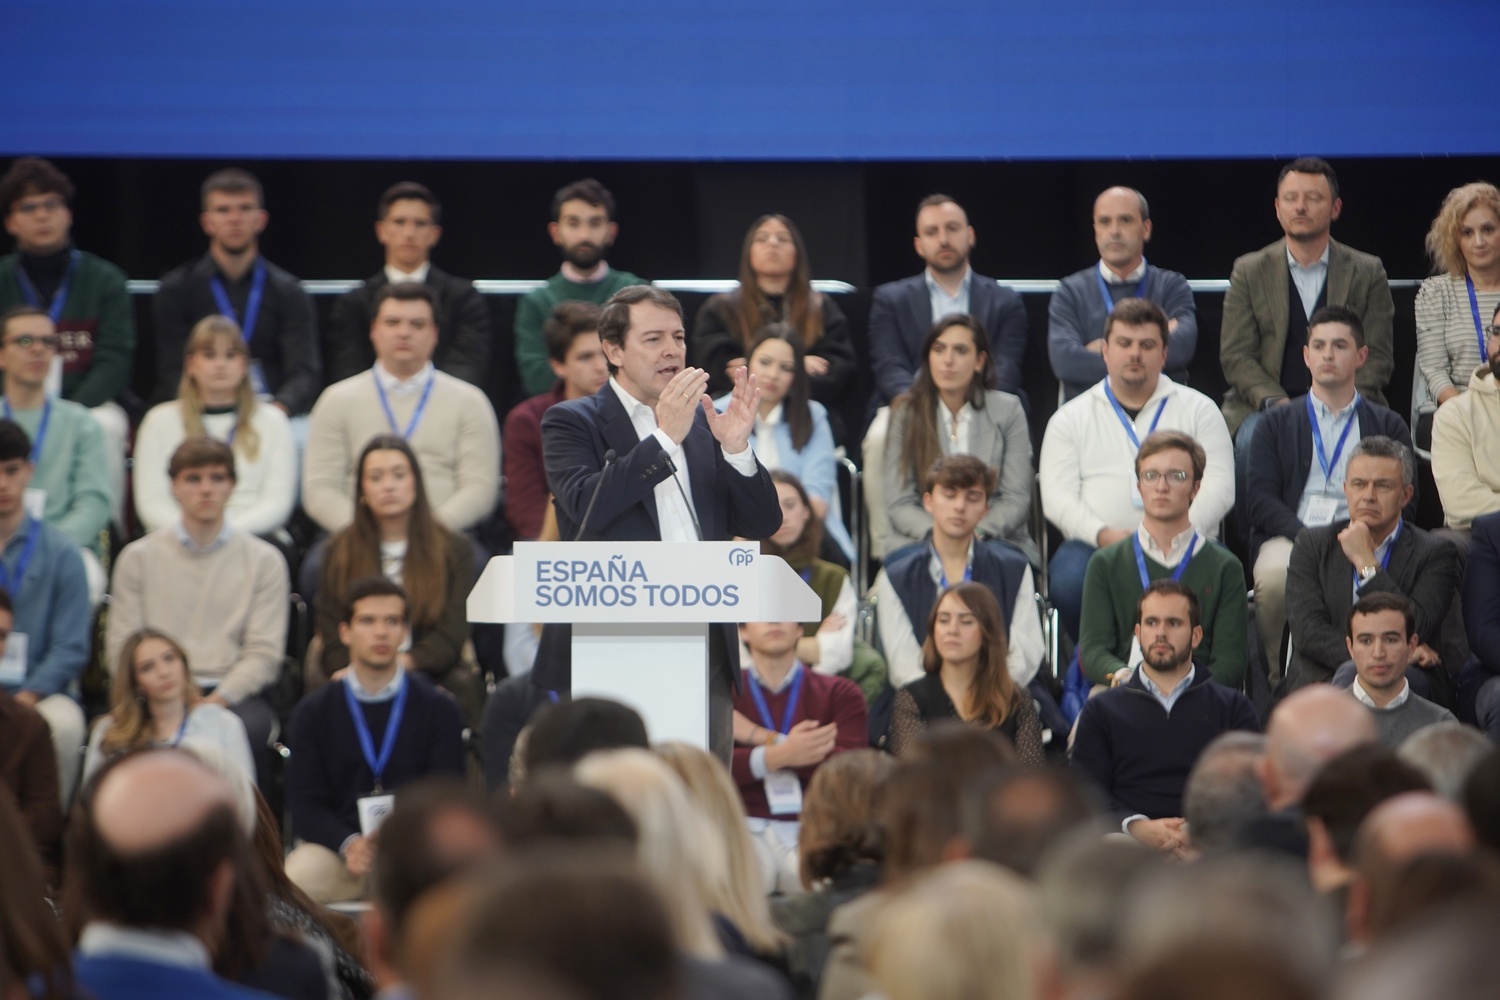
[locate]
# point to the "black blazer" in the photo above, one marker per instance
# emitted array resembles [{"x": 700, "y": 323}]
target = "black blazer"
[
  {"x": 463, "y": 347},
  {"x": 1281, "y": 456},
  {"x": 575, "y": 436},
  {"x": 1320, "y": 592},
  {"x": 1481, "y": 590},
  {"x": 901, "y": 315}
]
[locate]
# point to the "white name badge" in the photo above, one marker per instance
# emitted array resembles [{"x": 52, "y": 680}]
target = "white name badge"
[
  {"x": 35, "y": 502},
  {"x": 13, "y": 664},
  {"x": 784, "y": 793},
  {"x": 373, "y": 809},
  {"x": 1320, "y": 511},
  {"x": 1135, "y": 494}
]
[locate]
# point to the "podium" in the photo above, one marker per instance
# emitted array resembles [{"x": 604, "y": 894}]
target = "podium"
[{"x": 641, "y": 614}]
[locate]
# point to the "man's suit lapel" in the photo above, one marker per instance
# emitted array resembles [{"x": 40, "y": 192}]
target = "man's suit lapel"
[
  {"x": 1276, "y": 276},
  {"x": 1340, "y": 275},
  {"x": 919, "y": 315},
  {"x": 982, "y": 433},
  {"x": 619, "y": 434},
  {"x": 981, "y": 292},
  {"x": 698, "y": 452}
]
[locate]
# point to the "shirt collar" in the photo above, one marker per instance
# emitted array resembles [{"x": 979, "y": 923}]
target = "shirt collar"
[
  {"x": 22, "y": 530},
  {"x": 1385, "y": 543},
  {"x": 571, "y": 273},
  {"x": 1359, "y": 692},
  {"x": 1324, "y": 413},
  {"x": 631, "y": 404},
  {"x": 776, "y": 416},
  {"x": 1322, "y": 260},
  {"x": 394, "y": 385},
  {"x": 786, "y": 681},
  {"x": 220, "y": 540},
  {"x": 1176, "y": 549},
  {"x": 935, "y": 564},
  {"x": 386, "y": 693},
  {"x": 1167, "y": 698},
  {"x": 396, "y": 276},
  {"x": 1130, "y": 279},
  {"x": 963, "y": 286},
  {"x": 157, "y": 946}
]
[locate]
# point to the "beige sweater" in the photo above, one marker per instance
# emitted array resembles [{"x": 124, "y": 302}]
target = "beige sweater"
[
  {"x": 228, "y": 607},
  {"x": 457, "y": 444},
  {"x": 1466, "y": 451}
]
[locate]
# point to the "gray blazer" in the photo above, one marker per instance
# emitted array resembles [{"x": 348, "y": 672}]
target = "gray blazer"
[
  {"x": 999, "y": 437},
  {"x": 1252, "y": 338}
]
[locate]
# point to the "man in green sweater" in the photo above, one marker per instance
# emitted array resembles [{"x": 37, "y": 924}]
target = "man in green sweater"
[
  {"x": 1169, "y": 470},
  {"x": 583, "y": 227}
]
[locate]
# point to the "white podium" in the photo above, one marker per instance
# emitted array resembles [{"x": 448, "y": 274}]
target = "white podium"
[{"x": 641, "y": 614}]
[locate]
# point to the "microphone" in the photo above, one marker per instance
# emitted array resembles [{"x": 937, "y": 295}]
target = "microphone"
[
  {"x": 583, "y": 525},
  {"x": 667, "y": 460}
]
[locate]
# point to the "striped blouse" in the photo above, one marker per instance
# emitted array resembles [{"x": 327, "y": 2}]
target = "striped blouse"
[{"x": 1447, "y": 343}]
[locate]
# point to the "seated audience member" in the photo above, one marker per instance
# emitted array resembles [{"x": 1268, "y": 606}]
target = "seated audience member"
[
  {"x": 70, "y": 484},
  {"x": 1466, "y": 443},
  {"x": 234, "y": 279},
  {"x": 1464, "y": 243},
  {"x": 336, "y": 778},
  {"x": 84, "y": 296},
  {"x": 215, "y": 399},
  {"x": 1307, "y": 729},
  {"x": 1398, "y": 830},
  {"x": 1376, "y": 550},
  {"x": 1344, "y": 792},
  {"x": 1169, "y": 473},
  {"x": 1481, "y": 612},
  {"x": 1087, "y": 471},
  {"x": 1222, "y": 793},
  {"x": 221, "y": 593},
  {"x": 28, "y": 765},
  {"x": 154, "y": 702},
  {"x": 792, "y": 433},
  {"x": 1139, "y": 740},
  {"x": 408, "y": 224},
  {"x": 965, "y": 676},
  {"x": 447, "y": 422},
  {"x": 1446, "y": 754},
  {"x": 583, "y": 227},
  {"x": 950, "y": 409},
  {"x": 957, "y": 496},
  {"x": 577, "y": 359},
  {"x": 508, "y": 710},
  {"x": 1080, "y": 308},
  {"x": 395, "y": 535},
  {"x": 1016, "y": 814},
  {"x": 1286, "y": 489},
  {"x": 35, "y": 962},
  {"x": 1382, "y": 642},
  {"x": 153, "y": 866},
  {"x": 1481, "y": 800},
  {"x": 775, "y": 286},
  {"x": 552, "y": 809},
  {"x": 829, "y": 645},
  {"x": 571, "y": 729},
  {"x": 840, "y": 849},
  {"x": 789, "y": 721},
  {"x": 47, "y": 647}
]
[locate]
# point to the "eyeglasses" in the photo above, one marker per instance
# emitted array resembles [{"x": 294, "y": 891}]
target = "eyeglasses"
[
  {"x": 1174, "y": 476},
  {"x": 26, "y": 341},
  {"x": 1495, "y": 331}
]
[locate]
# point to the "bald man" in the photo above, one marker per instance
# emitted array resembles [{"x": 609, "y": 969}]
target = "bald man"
[
  {"x": 1397, "y": 831},
  {"x": 1083, "y": 301},
  {"x": 157, "y": 860}
]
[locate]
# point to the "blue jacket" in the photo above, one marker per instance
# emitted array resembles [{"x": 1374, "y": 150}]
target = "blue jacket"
[
  {"x": 115, "y": 977},
  {"x": 52, "y": 608}
]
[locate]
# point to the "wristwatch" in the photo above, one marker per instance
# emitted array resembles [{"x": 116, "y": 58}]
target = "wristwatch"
[{"x": 1367, "y": 573}]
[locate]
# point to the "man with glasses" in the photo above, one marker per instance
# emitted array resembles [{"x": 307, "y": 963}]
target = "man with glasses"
[
  {"x": 1466, "y": 447},
  {"x": 1169, "y": 470},
  {"x": 1298, "y": 457}
]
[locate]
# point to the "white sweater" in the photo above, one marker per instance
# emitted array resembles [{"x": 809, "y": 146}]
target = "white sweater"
[{"x": 1088, "y": 463}]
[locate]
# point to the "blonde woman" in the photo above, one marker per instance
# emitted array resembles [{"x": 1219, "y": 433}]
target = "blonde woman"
[
  {"x": 215, "y": 398},
  {"x": 1454, "y": 306}
]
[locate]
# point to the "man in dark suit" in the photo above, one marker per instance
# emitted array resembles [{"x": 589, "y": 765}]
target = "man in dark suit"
[
  {"x": 1482, "y": 617},
  {"x": 1376, "y": 550},
  {"x": 408, "y": 226},
  {"x": 668, "y": 444}
]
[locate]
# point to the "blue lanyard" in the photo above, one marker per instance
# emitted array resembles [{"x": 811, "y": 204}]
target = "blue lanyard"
[
  {"x": 1109, "y": 301},
  {"x": 1125, "y": 420},
  {"x": 12, "y": 584},
  {"x": 41, "y": 428},
  {"x": 390, "y": 416},
  {"x": 1328, "y": 464},
  {"x": 181, "y": 730},
  {"x": 943, "y": 575},
  {"x": 362, "y": 730},
  {"x": 1484, "y": 355},
  {"x": 791, "y": 701},
  {"x": 59, "y": 297},
  {"x": 1140, "y": 560},
  {"x": 1385, "y": 560},
  {"x": 252, "y": 306},
  {"x": 552, "y": 697}
]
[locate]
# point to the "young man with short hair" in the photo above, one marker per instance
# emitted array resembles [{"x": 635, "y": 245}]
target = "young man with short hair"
[
  {"x": 583, "y": 226},
  {"x": 577, "y": 359},
  {"x": 408, "y": 224},
  {"x": 1382, "y": 640},
  {"x": 359, "y": 739}
]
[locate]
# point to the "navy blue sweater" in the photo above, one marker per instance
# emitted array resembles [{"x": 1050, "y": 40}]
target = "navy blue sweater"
[{"x": 1140, "y": 756}]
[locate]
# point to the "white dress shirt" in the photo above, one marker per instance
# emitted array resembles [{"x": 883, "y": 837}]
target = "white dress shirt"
[
  {"x": 395, "y": 386},
  {"x": 954, "y": 428},
  {"x": 1359, "y": 692},
  {"x": 942, "y": 303},
  {"x": 396, "y": 276},
  {"x": 1310, "y": 279}
]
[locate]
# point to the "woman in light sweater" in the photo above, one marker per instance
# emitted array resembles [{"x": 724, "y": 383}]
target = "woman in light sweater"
[
  {"x": 215, "y": 398},
  {"x": 1453, "y": 308},
  {"x": 154, "y": 702}
]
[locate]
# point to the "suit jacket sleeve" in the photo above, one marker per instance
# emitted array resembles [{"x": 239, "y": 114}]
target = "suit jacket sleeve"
[
  {"x": 468, "y": 353},
  {"x": 1072, "y": 361},
  {"x": 1481, "y": 584},
  {"x": 1317, "y": 636},
  {"x": 1433, "y": 590},
  {"x": 574, "y": 465},
  {"x": 1377, "y": 310},
  {"x": 893, "y": 370},
  {"x": 902, "y": 496},
  {"x": 1240, "y": 336},
  {"x": 302, "y": 367},
  {"x": 754, "y": 508},
  {"x": 1177, "y": 302},
  {"x": 348, "y": 341},
  {"x": 1264, "y": 491},
  {"x": 1010, "y": 504},
  {"x": 1007, "y": 333}
]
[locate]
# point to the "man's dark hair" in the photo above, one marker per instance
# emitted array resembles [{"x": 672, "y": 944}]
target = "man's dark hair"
[
  {"x": 1137, "y": 312},
  {"x": 407, "y": 291},
  {"x": 200, "y": 453},
  {"x": 1178, "y": 589},
  {"x": 918, "y": 804},
  {"x": 410, "y": 861},
  {"x": 1338, "y": 314},
  {"x": 14, "y": 443},
  {"x": 1014, "y": 815},
  {"x": 16, "y": 312},
  {"x": 960, "y": 472},
  {"x": 1350, "y": 786},
  {"x": 1159, "y": 441},
  {"x": 1311, "y": 165},
  {"x": 566, "y": 321},
  {"x": 1481, "y": 800},
  {"x": 1380, "y": 446},
  {"x": 933, "y": 200},
  {"x": 1383, "y": 600},
  {"x": 554, "y": 807},
  {"x": 233, "y": 180},
  {"x": 587, "y": 190},
  {"x": 371, "y": 586},
  {"x": 32, "y": 175},
  {"x": 409, "y": 191},
  {"x": 614, "y": 320},
  {"x": 569, "y": 731}
]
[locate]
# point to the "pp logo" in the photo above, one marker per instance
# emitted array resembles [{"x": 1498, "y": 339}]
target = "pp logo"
[{"x": 741, "y": 557}]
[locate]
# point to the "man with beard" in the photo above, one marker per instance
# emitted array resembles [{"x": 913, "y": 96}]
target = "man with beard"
[
  {"x": 274, "y": 314},
  {"x": 583, "y": 227},
  {"x": 1466, "y": 446},
  {"x": 1138, "y": 741}
]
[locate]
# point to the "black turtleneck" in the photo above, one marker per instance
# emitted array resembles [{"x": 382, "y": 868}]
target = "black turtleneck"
[{"x": 46, "y": 271}]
